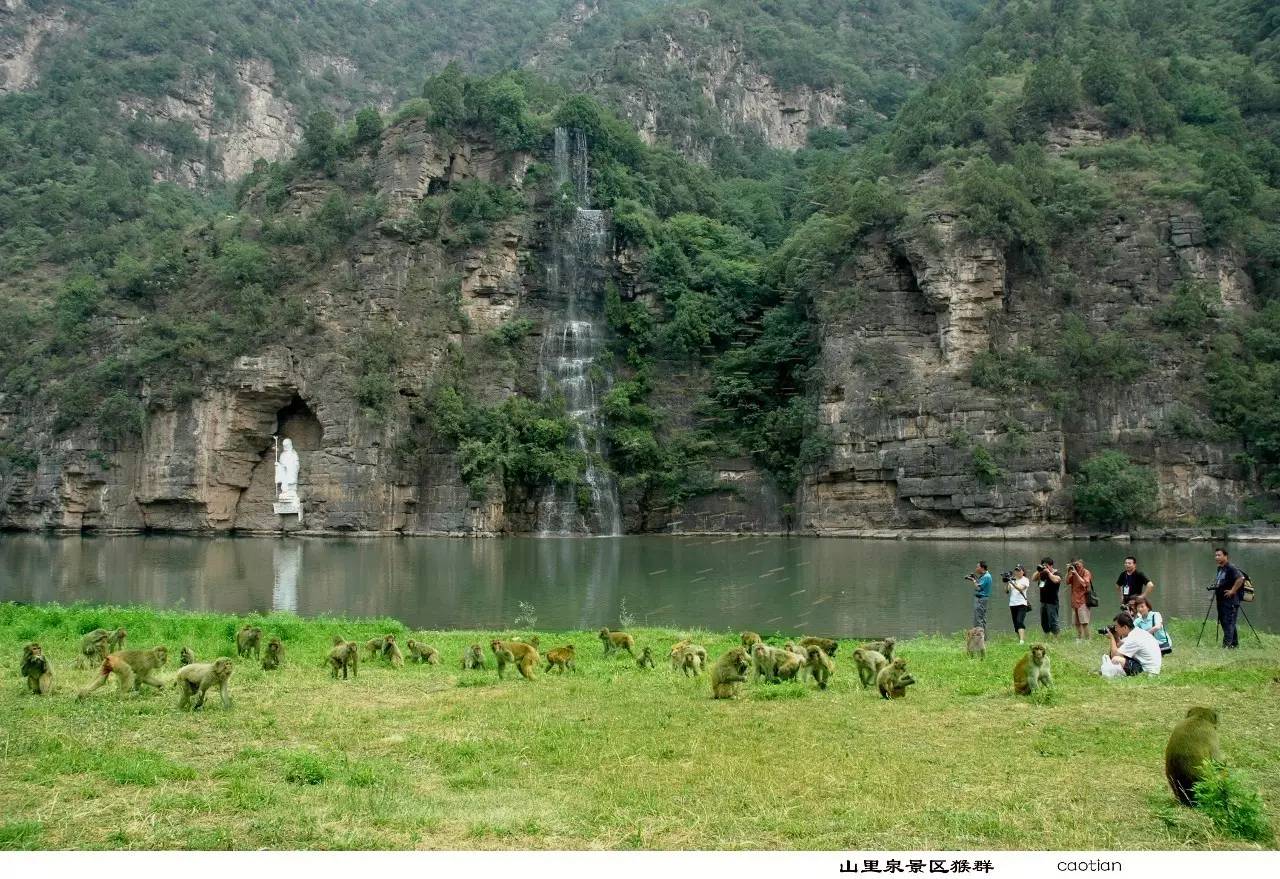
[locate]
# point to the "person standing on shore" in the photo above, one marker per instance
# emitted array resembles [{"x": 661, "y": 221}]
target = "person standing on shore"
[
  {"x": 1080, "y": 580},
  {"x": 981, "y": 579},
  {"x": 1017, "y": 587},
  {"x": 1049, "y": 580},
  {"x": 1132, "y": 583},
  {"x": 1228, "y": 584}
]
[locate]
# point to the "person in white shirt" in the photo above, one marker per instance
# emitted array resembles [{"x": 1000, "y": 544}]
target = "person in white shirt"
[
  {"x": 1017, "y": 587},
  {"x": 1133, "y": 651}
]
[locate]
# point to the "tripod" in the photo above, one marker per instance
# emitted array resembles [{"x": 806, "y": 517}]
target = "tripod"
[{"x": 1213, "y": 598}]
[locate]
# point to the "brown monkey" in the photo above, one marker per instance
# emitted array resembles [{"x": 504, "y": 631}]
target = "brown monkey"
[
  {"x": 37, "y": 670},
  {"x": 419, "y": 652},
  {"x": 975, "y": 643},
  {"x": 186, "y": 656},
  {"x": 677, "y": 649},
  {"x": 729, "y": 671},
  {"x": 820, "y": 666},
  {"x": 338, "y": 641},
  {"x": 132, "y": 668},
  {"x": 766, "y": 660},
  {"x": 249, "y": 641},
  {"x": 532, "y": 641},
  {"x": 828, "y": 646},
  {"x": 617, "y": 641},
  {"x": 93, "y": 648},
  {"x": 749, "y": 641},
  {"x": 374, "y": 646},
  {"x": 894, "y": 679},
  {"x": 883, "y": 647},
  {"x": 561, "y": 658},
  {"x": 802, "y": 656},
  {"x": 789, "y": 666},
  {"x": 1193, "y": 742},
  {"x": 523, "y": 656},
  {"x": 200, "y": 677},
  {"x": 868, "y": 662},
  {"x": 115, "y": 640},
  {"x": 275, "y": 655},
  {"x": 391, "y": 652},
  {"x": 474, "y": 657},
  {"x": 691, "y": 659},
  {"x": 343, "y": 657},
  {"x": 646, "y": 659},
  {"x": 1032, "y": 671}
]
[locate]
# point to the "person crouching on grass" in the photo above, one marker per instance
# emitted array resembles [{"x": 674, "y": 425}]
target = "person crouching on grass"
[
  {"x": 981, "y": 579},
  {"x": 1133, "y": 651}
]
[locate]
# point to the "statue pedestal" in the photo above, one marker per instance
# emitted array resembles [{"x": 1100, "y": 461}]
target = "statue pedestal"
[{"x": 288, "y": 507}]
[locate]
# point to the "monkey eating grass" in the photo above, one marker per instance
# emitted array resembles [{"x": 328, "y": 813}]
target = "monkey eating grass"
[{"x": 199, "y": 678}]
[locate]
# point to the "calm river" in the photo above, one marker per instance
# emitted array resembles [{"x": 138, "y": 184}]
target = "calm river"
[{"x": 833, "y": 586}]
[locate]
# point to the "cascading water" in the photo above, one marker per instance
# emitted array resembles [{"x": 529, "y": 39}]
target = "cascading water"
[{"x": 569, "y": 348}]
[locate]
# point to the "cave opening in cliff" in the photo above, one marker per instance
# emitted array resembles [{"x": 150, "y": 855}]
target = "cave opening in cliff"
[
  {"x": 906, "y": 272},
  {"x": 297, "y": 422}
]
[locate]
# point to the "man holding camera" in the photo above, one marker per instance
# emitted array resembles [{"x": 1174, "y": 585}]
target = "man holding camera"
[
  {"x": 1080, "y": 580},
  {"x": 1228, "y": 584},
  {"x": 1132, "y": 584},
  {"x": 981, "y": 579},
  {"x": 1049, "y": 580},
  {"x": 1134, "y": 651}
]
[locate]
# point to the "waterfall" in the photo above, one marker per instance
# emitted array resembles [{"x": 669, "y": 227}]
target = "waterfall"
[{"x": 579, "y": 253}]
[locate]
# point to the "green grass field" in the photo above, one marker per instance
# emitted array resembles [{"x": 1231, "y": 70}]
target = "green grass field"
[{"x": 610, "y": 757}]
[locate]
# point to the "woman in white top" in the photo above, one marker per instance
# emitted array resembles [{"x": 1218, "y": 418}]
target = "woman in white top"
[{"x": 1017, "y": 587}]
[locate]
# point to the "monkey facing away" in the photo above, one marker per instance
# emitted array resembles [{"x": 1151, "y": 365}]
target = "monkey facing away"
[
  {"x": 249, "y": 641},
  {"x": 345, "y": 657},
  {"x": 420, "y": 653},
  {"x": 729, "y": 671},
  {"x": 37, "y": 670},
  {"x": 115, "y": 640},
  {"x": 975, "y": 642},
  {"x": 132, "y": 668},
  {"x": 94, "y": 647},
  {"x": 274, "y": 655},
  {"x": 883, "y": 647},
  {"x": 186, "y": 656},
  {"x": 1194, "y": 741},
  {"x": 821, "y": 667},
  {"x": 868, "y": 662},
  {"x": 646, "y": 659},
  {"x": 690, "y": 659},
  {"x": 828, "y": 645},
  {"x": 561, "y": 658},
  {"x": 199, "y": 678},
  {"x": 374, "y": 647},
  {"x": 617, "y": 641},
  {"x": 523, "y": 656},
  {"x": 1032, "y": 671},
  {"x": 894, "y": 679}
]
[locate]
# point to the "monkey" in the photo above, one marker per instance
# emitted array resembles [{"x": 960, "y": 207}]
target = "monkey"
[
  {"x": 391, "y": 652},
  {"x": 749, "y": 641},
  {"x": 523, "y": 656},
  {"x": 1193, "y": 741},
  {"x": 646, "y": 659},
  {"x": 132, "y": 668},
  {"x": 338, "y": 641},
  {"x": 419, "y": 652},
  {"x": 275, "y": 655},
  {"x": 828, "y": 646},
  {"x": 820, "y": 666},
  {"x": 93, "y": 648},
  {"x": 200, "y": 677},
  {"x": 374, "y": 646},
  {"x": 249, "y": 640},
  {"x": 186, "y": 655},
  {"x": 474, "y": 657},
  {"x": 789, "y": 666},
  {"x": 884, "y": 647},
  {"x": 561, "y": 658},
  {"x": 893, "y": 679},
  {"x": 729, "y": 671},
  {"x": 115, "y": 640},
  {"x": 1032, "y": 671},
  {"x": 868, "y": 662},
  {"x": 801, "y": 655},
  {"x": 343, "y": 657},
  {"x": 617, "y": 641},
  {"x": 676, "y": 652},
  {"x": 37, "y": 670},
  {"x": 691, "y": 659},
  {"x": 766, "y": 660},
  {"x": 976, "y": 642},
  {"x": 533, "y": 641}
]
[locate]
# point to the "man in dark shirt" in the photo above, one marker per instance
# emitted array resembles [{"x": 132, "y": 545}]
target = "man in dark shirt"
[
  {"x": 1049, "y": 580},
  {"x": 1132, "y": 583},
  {"x": 1227, "y": 587}
]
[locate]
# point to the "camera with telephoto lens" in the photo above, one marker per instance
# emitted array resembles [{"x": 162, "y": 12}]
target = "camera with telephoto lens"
[
  {"x": 972, "y": 577},
  {"x": 1109, "y": 630},
  {"x": 1007, "y": 576}
]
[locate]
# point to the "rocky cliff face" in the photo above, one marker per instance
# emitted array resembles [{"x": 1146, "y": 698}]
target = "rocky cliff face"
[{"x": 19, "y": 53}]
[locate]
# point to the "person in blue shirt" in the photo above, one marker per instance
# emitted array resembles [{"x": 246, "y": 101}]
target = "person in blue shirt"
[{"x": 981, "y": 579}]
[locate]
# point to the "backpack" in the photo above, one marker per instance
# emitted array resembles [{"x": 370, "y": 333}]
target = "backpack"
[{"x": 1246, "y": 593}]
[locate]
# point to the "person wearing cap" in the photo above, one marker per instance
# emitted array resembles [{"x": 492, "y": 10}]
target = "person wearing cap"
[{"x": 1019, "y": 604}]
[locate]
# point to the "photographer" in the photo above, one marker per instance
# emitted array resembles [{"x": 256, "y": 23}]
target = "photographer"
[
  {"x": 1132, "y": 583},
  {"x": 1133, "y": 651},
  {"x": 1080, "y": 580},
  {"x": 1017, "y": 584},
  {"x": 1228, "y": 584},
  {"x": 981, "y": 579},
  {"x": 1049, "y": 580}
]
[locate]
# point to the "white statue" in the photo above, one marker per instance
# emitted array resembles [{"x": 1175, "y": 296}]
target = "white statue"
[{"x": 287, "y": 474}]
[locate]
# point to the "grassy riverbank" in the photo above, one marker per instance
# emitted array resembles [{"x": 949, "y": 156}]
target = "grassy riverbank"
[{"x": 610, "y": 757}]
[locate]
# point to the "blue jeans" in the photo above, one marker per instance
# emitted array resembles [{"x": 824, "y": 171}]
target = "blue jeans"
[{"x": 1228, "y": 610}]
